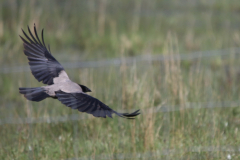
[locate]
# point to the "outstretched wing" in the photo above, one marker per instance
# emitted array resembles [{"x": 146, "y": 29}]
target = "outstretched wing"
[
  {"x": 89, "y": 104},
  {"x": 43, "y": 65}
]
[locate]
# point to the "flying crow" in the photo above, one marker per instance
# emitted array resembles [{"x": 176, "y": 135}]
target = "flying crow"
[{"x": 47, "y": 69}]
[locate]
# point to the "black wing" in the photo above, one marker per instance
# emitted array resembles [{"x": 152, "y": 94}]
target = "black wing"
[
  {"x": 89, "y": 104},
  {"x": 43, "y": 65}
]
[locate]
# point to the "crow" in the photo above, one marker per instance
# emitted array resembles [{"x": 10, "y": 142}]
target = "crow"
[{"x": 46, "y": 69}]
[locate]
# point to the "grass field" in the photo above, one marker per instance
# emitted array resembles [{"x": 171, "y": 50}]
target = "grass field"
[{"x": 96, "y": 30}]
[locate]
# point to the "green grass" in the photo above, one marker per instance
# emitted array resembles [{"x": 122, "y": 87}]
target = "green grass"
[{"x": 81, "y": 30}]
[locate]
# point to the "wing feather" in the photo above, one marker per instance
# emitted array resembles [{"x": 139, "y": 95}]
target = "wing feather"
[
  {"x": 91, "y": 105},
  {"x": 43, "y": 65}
]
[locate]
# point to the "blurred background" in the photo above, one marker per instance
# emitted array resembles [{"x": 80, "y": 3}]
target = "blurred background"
[{"x": 176, "y": 60}]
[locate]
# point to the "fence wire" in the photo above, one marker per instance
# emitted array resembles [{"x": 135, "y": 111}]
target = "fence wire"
[
  {"x": 130, "y": 60},
  {"x": 157, "y": 109}
]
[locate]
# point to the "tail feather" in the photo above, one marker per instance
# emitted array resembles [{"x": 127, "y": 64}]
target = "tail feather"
[{"x": 34, "y": 94}]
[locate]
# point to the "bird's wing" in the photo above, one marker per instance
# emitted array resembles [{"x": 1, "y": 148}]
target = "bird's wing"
[
  {"x": 43, "y": 65},
  {"x": 89, "y": 104}
]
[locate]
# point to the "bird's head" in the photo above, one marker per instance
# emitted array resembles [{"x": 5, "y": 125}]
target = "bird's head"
[{"x": 84, "y": 88}]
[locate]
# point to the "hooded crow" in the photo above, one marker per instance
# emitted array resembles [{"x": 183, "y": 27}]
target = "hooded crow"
[{"x": 46, "y": 69}]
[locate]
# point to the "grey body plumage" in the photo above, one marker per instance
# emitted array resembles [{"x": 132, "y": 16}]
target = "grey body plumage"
[{"x": 45, "y": 68}]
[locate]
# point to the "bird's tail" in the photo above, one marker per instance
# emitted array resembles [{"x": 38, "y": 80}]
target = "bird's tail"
[
  {"x": 128, "y": 115},
  {"x": 34, "y": 94}
]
